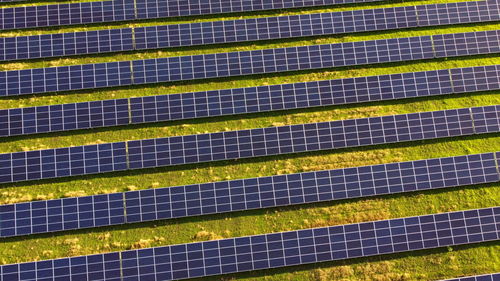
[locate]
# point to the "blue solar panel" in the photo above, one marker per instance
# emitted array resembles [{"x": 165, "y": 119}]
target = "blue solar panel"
[
  {"x": 64, "y": 117},
  {"x": 483, "y": 277},
  {"x": 486, "y": 119},
  {"x": 62, "y": 214},
  {"x": 66, "y": 14},
  {"x": 62, "y": 162},
  {"x": 66, "y": 78},
  {"x": 153, "y": 37},
  {"x": 457, "y": 13},
  {"x": 466, "y": 44},
  {"x": 473, "y": 79},
  {"x": 121, "y": 10},
  {"x": 66, "y": 44},
  {"x": 273, "y": 250},
  {"x": 29, "y": 81},
  {"x": 245, "y": 194}
]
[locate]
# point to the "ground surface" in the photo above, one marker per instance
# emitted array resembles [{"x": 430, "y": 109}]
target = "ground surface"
[{"x": 421, "y": 265}]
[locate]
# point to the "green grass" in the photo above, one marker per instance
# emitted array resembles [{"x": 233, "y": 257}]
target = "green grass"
[{"x": 421, "y": 265}]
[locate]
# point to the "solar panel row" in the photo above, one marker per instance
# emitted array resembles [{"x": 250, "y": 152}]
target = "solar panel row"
[
  {"x": 121, "y": 10},
  {"x": 485, "y": 277},
  {"x": 88, "y": 76},
  {"x": 42, "y": 119},
  {"x": 254, "y": 193},
  {"x": 138, "y": 154},
  {"x": 153, "y": 37},
  {"x": 271, "y": 250}
]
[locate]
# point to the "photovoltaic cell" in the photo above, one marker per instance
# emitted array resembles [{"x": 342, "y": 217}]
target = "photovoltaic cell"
[
  {"x": 190, "y": 149},
  {"x": 484, "y": 277},
  {"x": 121, "y": 10},
  {"x": 253, "y": 193},
  {"x": 41, "y": 80},
  {"x": 153, "y": 37},
  {"x": 274, "y": 250},
  {"x": 32, "y": 120}
]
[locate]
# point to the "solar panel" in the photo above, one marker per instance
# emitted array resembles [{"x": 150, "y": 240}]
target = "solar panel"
[
  {"x": 54, "y": 79},
  {"x": 178, "y": 150},
  {"x": 60, "y": 162},
  {"x": 62, "y": 214},
  {"x": 64, "y": 117},
  {"x": 121, "y": 10},
  {"x": 464, "y": 44},
  {"x": 66, "y": 44},
  {"x": 66, "y": 14},
  {"x": 474, "y": 79},
  {"x": 153, "y": 37},
  {"x": 272, "y": 250},
  {"x": 245, "y": 194},
  {"x": 456, "y": 13},
  {"x": 484, "y": 277},
  {"x": 54, "y": 118}
]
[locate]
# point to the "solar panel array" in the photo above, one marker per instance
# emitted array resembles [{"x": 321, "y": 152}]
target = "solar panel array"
[
  {"x": 484, "y": 277},
  {"x": 272, "y": 250},
  {"x": 254, "y": 193},
  {"x": 153, "y": 37},
  {"x": 121, "y": 10},
  {"x": 138, "y": 154},
  {"x": 87, "y": 76},
  {"x": 42, "y": 119},
  {"x": 256, "y": 252}
]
